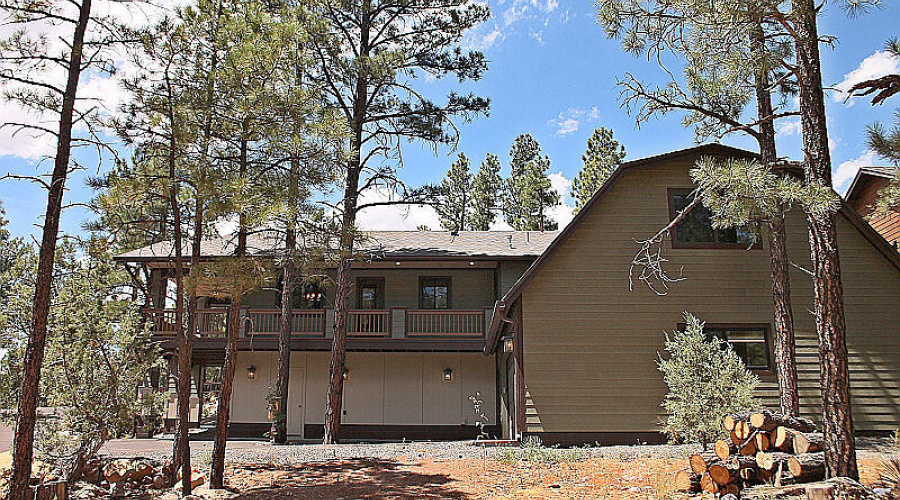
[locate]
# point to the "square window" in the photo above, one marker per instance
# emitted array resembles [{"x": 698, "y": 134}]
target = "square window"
[
  {"x": 370, "y": 293},
  {"x": 434, "y": 293}
]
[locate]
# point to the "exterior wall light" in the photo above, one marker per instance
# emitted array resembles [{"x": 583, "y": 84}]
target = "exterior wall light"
[
  {"x": 448, "y": 374},
  {"x": 345, "y": 374},
  {"x": 251, "y": 372},
  {"x": 508, "y": 345}
]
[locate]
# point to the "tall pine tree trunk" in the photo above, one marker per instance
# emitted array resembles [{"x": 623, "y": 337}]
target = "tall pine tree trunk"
[
  {"x": 785, "y": 363},
  {"x": 182, "y": 439},
  {"x": 287, "y": 311},
  {"x": 334, "y": 396},
  {"x": 23, "y": 446},
  {"x": 223, "y": 408},
  {"x": 840, "y": 448}
]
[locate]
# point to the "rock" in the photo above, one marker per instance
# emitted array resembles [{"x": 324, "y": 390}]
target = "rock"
[{"x": 160, "y": 482}]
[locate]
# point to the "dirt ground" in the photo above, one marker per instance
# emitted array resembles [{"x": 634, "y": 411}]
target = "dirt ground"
[{"x": 468, "y": 479}]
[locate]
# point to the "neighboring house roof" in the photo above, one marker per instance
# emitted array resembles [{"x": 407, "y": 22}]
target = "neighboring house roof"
[
  {"x": 380, "y": 245},
  {"x": 870, "y": 171},
  {"x": 706, "y": 149}
]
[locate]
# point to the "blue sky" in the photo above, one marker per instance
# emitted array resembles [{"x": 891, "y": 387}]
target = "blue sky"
[{"x": 552, "y": 74}]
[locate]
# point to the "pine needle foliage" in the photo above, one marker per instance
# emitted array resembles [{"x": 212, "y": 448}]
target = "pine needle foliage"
[
  {"x": 486, "y": 188},
  {"x": 740, "y": 192},
  {"x": 455, "y": 191},
  {"x": 528, "y": 194},
  {"x": 706, "y": 380},
  {"x": 602, "y": 158}
]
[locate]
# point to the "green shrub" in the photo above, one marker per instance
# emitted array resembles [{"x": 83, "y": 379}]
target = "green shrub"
[
  {"x": 532, "y": 450},
  {"x": 706, "y": 381}
]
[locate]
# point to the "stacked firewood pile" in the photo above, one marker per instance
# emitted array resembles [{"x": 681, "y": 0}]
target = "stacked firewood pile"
[{"x": 763, "y": 448}]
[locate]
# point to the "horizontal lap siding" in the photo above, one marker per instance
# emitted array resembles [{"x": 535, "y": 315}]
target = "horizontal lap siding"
[{"x": 591, "y": 345}]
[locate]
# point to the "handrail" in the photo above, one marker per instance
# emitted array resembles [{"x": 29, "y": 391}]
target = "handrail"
[
  {"x": 311, "y": 323},
  {"x": 304, "y": 322},
  {"x": 369, "y": 323},
  {"x": 445, "y": 323}
]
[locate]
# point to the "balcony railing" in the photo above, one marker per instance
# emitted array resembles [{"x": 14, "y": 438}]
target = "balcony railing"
[
  {"x": 304, "y": 323},
  {"x": 445, "y": 323},
  {"x": 211, "y": 323},
  {"x": 368, "y": 323}
]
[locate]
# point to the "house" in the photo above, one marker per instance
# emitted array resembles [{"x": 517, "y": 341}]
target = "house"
[
  {"x": 581, "y": 350},
  {"x": 543, "y": 325},
  {"x": 420, "y": 308},
  {"x": 863, "y": 194}
]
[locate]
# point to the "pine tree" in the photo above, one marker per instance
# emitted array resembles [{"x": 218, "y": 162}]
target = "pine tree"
[
  {"x": 367, "y": 61},
  {"x": 707, "y": 380},
  {"x": 50, "y": 38},
  {"x": 486, "y": 191},
  {"x": 456, "y": 193},
  {"x": 528, "y": 194},
  {"x": 602, "y": 158}
]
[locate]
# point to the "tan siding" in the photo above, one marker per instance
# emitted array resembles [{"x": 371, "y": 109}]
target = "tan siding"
[
  {"x": 470, "y": 288},
  {"x": 383, "y": 388},
  {"x": 590, "y": 344}
]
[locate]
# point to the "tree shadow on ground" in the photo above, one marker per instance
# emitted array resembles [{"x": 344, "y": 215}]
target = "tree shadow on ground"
[{"x": 357, "y": 478}]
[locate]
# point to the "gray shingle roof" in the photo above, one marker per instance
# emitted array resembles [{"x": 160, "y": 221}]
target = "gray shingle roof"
[{"x": 382, "y": 245}]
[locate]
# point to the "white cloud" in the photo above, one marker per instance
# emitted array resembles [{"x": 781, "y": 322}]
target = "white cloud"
[
  {"x": 570, "y": 121},
  {"x": 565, "y": 16},
  {"x": 514, "y": 14},
  {"x": 481, "y": 40},
  {"x": 538, "y": 35},
  {"x": 560, "y": 184},
  {"x": 394, "y": 217},
  {"x": 845, "y": 172},
  {"x": 567, "y": 126},
  {"x": 563, "y": 212},
  {"x": 877, "y": 65},
  {"x": 789, "y": 127}
]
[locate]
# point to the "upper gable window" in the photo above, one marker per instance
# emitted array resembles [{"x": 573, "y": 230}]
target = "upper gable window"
[{"x": 696, "y": 231}]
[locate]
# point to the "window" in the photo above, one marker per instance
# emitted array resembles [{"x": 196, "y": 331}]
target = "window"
[
  {"x": 370, "y": 293},
  {"x": 307, "y": 295},
  {"x": 751, "y": 343},
  {"x": 434, "y": 293},
  {"x": 696, "y": 231}
]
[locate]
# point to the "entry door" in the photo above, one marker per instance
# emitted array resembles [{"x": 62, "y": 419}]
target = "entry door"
[{"x": 296, "y": 401}]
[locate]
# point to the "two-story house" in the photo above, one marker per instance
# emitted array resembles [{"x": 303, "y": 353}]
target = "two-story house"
[
  {"x": 544, "y": 325},
  {"x": 420, "y": 307}
]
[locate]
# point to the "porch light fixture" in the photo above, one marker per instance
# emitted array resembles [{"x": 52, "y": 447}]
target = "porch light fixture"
[
  {"x": 397, "y": 263},
  {"x": 448, "y": 374},
  {"x": 508, "y": 344},
  {"x": 345, "y": 374},
  {"x": 251, "y": 372},
  {"x": 471, "y": 263}
]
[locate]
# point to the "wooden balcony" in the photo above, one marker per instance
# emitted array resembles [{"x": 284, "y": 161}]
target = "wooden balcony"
[{"x": 395, "y": 323}]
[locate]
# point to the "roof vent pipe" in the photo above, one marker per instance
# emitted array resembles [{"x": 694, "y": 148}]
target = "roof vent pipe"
[
  {"x": 527, "y": 236},
  {"x": 510, "y": 238}
]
